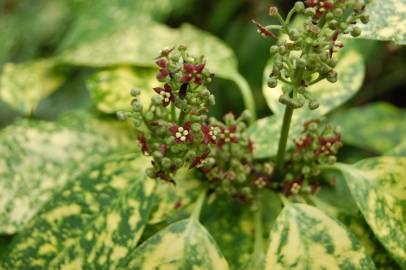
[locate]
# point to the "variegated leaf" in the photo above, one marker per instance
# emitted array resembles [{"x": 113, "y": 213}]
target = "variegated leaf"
[
  {"x": 24, "y": 85},
  {"x": 232, "y": 225},
  {"x": 303, "y": 237},
  {"x": 379, "y": 189},
  {"x": 176, "y": 200},
  {"x": 123, "y": 41},
  {"x": 185, "y": 244},
  {"x": 387, "y": 21},
  {"x": 378, "y": 126},
  {"x": 265, "y": 132},
  {"x": 110, "y": 88},
  {"x": 39, "y": 157},
  {"x": 351, "y": 73},
  {"x": 399, "y": 150},
  {"x": 94, "y": 220}
]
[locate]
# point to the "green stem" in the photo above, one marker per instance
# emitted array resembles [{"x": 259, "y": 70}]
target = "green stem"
[
  {"x": 199, "y": 204},
  {"x": 280, "y": 157},
  {"x": 173, "y": 112},
  {"x": 182, "y": 116},
  {"x": 247, "y": 95}
]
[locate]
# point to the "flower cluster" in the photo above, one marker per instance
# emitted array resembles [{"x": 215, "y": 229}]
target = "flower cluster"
[
  {"x": 176, "y": 131},
  {"x": 307, "y": 55},
  {"x": 316, "y": 146}
]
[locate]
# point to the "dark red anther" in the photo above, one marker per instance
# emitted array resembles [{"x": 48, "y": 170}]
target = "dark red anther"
[{"x": 262, "y": 30}]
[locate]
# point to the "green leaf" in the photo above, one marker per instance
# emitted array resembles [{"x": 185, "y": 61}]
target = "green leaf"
[
  {"x": 110, "y": 88},
  {"x": 378, "y": 127},
  {"x": 185, "y": 244},
  {"x": 232, "y": 226},
  {"x": 379, "y": 189},
  {"x": 39, "y": 157},
  {"x": 303, "y": 237},
  {"x": 387, "y": 21},
  {"x": 93, "y": 222},
  {"x": 138, "y": 42},
  {"x": 265, "y": 132},
  {"x": 24, "y": 85},
  {"x": 399, "y": 150},
  {"x": 173, "y": 201},
  {"x": 351, "y": 72}
]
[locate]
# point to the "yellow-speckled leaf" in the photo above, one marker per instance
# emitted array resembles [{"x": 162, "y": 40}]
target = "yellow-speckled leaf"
[
  {"x": 351, "y": 73},
  {"x": 38, "y": 158},
  {"x": 379, "y": 189},
  {"x": 387, "y": 21},
  {"x": 185, "y": 245},
  {"x": 265, "y": 132},
  {"x": 378, "y": 126},
  {"x": 303, "y": 237},
  {"x": 399, "y": 150},
  {"x": 24, "y": 85},
  {"x": 173, "y": 200},
  {"x": 110, "y": 88},
  {"x": 137, "y": 41},
  {"x": 92, "y": 222}
]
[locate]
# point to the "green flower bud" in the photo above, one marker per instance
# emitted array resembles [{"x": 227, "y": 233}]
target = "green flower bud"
[
  {"x": 122, "y": 116},
  {"x": 294, "y": 34},
  {"x": 149, "y": 116},
  {"x": 157, "y": 155},
  {"x": 338, "y": 12},
  {"x": 178, "y": 162},
  {"x": 190, "y": 155},
  {"x": 356, "y": 32},
  {"x": 310, "y": 12},
  {"x": 166, "y": 163},
  {"x": 313, "y": 104},
  {"x": 331, "y": 62},
  {"x": 150, "y": 172},
  {"x": 274, "y": 49},
  {"x": 343, "y": 26},
  {"x": 332, "y": 76},
  {"x": 364, "y": 18},
  {"x": 331, "y": 160},
  {"x": 156, "y": 100},
  {"x": 272, "y": 82},
  {"x": 299, "y": 6},
  {"x": 329, "y": 16},
  {"x": 135, "y": 92},
  {"x": 137, "y": 106},
  {"x": 300, "y": 63},
  {"x": 333, "y": 24},
  {"x": 306, "y": 170},
  {"x": 273, "y": 11}
]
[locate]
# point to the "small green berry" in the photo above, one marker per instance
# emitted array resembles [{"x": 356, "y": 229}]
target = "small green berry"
[
  {"x": 272, "y": 82},
  {"x": 310, "y": 12},
  {"x": 135, "y": 92},
  {"x": 356, "y": 32},
  {"x": 299, "y": 6},
  {"x": 364, "y": 18}
]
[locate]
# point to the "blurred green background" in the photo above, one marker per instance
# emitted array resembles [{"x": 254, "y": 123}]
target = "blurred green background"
[{"x": 32, "y": 29}]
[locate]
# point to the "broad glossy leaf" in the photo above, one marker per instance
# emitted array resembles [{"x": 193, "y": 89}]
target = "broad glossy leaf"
[
  {"x": 303, "y": 237},
  {"x": 176, "y": 200},
  {"x": 110, "y": 88},
  {"x": 265, "y": 132},
  {"x": 232, "y": 225},
  {"x": 138, "y": 42},
  {"x": 94, "y": 220},
  {"x": 378, "y": 126},
  {"x": 185, "y": 244},
  {"x": 24, "y": 85},
  {"x": 351, "y": 73},
  {"x": 39, "y": 157},
  {"x": 379, "y": 189},
  {"x": 387, "y": 21}
]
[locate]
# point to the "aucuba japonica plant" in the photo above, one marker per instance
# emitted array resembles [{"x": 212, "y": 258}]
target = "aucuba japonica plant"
[{"x": 172, "y": 187}]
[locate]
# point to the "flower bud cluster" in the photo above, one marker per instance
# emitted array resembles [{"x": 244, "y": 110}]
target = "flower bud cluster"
[
  {"x": 307, "y": 55},
  {"x": 316, "y": 146},
  {"x": 176, "y": 131}
]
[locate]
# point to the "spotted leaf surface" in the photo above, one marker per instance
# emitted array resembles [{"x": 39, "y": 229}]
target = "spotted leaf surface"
[
  {"x": 39, "y": 157},
  {"x": 399, "y": 150},
  {"x": 92, "y": 215},
  {"x": 265, "y": 132},
  {"x": 185, "y": 244},
  {"x": 110, "y": 88},
  {"x": 351, "y": 72},
  {"x": 387, "y": 21},
  {"x": 232, "y": 226},
  {"x": 303, "y": 237},
  {"x": 378, "y": 127},
  {"x": 379, "y": 189},
  {"x": 24, "y": 85},
  {"x": 122, "y": 41},
  {"x": 176, "y": 200}
]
